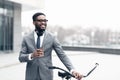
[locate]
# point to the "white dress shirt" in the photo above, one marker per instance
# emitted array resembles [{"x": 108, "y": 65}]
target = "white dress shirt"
[{"x": 41, "y": 38}]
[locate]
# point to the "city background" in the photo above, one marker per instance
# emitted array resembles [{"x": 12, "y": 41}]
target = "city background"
[{"x": 87, "y": 29}]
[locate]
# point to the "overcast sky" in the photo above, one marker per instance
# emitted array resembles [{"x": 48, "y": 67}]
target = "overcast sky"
[{"x": 86, "y": 13}]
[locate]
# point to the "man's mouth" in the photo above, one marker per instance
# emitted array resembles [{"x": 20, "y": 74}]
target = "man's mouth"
[{"x": 42, "y": 26}]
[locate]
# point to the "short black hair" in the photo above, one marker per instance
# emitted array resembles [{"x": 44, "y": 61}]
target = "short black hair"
[{"x": 36, "y": 15}]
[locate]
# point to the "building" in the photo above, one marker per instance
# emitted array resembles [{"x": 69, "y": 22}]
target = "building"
[{"x": 10, "y": 21}]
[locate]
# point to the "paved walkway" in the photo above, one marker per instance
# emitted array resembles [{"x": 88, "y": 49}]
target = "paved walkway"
[
  {"x": 83, "y": 61},
  {"x": 8, "y": 59}
]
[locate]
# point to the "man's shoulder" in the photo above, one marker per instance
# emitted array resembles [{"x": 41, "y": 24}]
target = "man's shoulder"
[
  {"x": 28, "y": 35},
  {"x": 49, "y": 33}
]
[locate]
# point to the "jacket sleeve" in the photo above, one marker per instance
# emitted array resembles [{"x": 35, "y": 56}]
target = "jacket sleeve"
[
  {"x": 61, "y": 54},
  {"x": 23, "y": 55}
]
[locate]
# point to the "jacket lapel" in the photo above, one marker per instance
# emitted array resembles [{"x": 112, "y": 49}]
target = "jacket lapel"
[
  {"x": 44, "y": 39},
  {"x": 32, "y": 39}
]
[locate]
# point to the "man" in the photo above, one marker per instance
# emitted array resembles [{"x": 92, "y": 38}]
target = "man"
[{"x": 37, "y": 52}]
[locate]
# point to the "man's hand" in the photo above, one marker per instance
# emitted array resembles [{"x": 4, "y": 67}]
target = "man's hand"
[
  {"x": 77, "y": 75},
  {"x": 37, "y": 53}
]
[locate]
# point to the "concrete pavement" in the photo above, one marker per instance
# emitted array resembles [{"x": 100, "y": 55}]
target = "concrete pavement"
[
  {"x": 12, "y": 69},
  {"x": 8, "y": 59}
]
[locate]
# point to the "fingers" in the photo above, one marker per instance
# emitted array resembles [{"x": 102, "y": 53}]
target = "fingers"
[
  {"x": 77, "y": 75},
  {"x": 39, "y": 50},
  {"x": 38, "y": 53}
]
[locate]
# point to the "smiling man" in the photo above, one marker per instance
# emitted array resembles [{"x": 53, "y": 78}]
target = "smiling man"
[{"x": 36, "y": 50}]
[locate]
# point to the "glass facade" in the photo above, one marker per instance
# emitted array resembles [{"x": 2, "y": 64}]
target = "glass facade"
[{"x": 6, "y": 25}]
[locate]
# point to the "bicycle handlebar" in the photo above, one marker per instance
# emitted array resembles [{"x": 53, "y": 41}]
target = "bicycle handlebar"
[
  {"x": 68, "y": 74},
  {"x": 96, "y": 64}
]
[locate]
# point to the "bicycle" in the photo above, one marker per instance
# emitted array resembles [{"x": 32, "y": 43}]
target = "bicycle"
[{"x": 67, "y": 75}]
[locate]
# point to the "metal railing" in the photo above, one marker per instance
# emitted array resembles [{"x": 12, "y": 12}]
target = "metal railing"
[{"x": 93, "y": 49}]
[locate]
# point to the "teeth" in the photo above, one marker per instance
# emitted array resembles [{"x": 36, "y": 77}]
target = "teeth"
[{"x": 42, "y": 25}]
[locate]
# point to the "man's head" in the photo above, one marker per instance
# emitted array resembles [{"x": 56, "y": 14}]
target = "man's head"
[{"x": 40, "y": 22}]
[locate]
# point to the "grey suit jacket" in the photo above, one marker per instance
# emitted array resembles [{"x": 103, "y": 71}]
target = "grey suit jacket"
[{"x": 49, "y": 43}]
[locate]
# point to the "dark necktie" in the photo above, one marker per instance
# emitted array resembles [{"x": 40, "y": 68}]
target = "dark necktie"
[{"x": 38, "y": 42}]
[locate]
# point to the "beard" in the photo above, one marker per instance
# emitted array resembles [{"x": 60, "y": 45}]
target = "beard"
[{"x": 40, "y": 30}]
